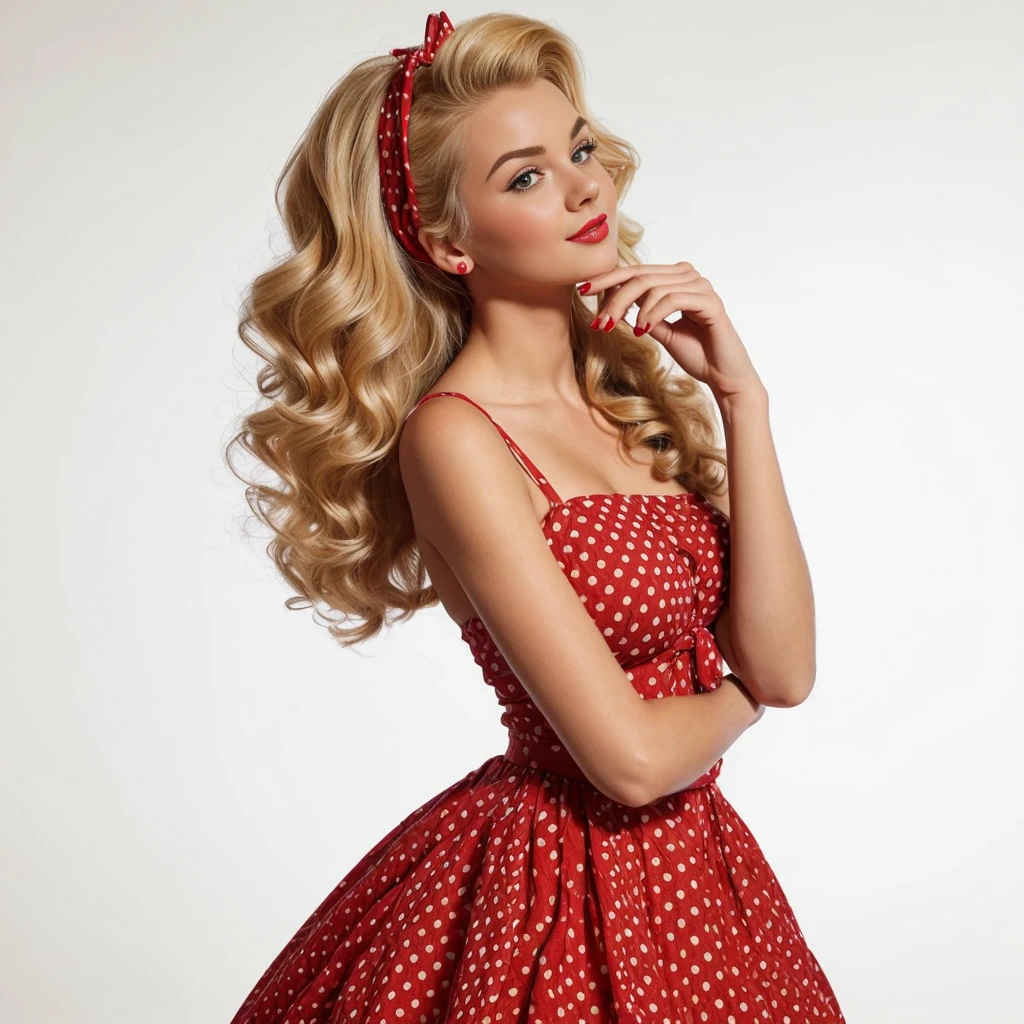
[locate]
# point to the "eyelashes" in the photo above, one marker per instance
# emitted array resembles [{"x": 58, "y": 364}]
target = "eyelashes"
[{"x": 585, "y": 147}]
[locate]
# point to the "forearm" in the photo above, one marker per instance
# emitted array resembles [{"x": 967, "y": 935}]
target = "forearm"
[
  {"x": 771, "y": 605},
  {"x": 681, "y": 737}
]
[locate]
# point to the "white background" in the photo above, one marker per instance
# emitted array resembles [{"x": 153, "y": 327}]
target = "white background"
[{"x": 190, "y": 768}]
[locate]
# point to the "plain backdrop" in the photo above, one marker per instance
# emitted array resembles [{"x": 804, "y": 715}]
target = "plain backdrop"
[{"x": 189, "y": 768}]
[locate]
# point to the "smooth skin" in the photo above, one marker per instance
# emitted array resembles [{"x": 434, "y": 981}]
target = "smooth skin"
[{"x": 476, "y": 511}]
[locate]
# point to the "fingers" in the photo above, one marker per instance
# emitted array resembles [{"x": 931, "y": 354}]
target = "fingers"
[
  {"x": 643, "y": 286},
  {"x": 619, "y": 274},
  {"x": 671, "y": 300}
]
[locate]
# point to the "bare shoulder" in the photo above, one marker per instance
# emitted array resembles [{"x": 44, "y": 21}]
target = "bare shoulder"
[
  {"x": 470, "y": 498},
  {"x": 450, "y": 455}
]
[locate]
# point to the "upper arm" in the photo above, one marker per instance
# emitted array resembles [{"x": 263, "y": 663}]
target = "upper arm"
[
  {"x": 470, "y": 499},
  {"x": 721, "y": 624},
  {"x": 720, "y": 628},
  {"x": 720, "y": 501}
]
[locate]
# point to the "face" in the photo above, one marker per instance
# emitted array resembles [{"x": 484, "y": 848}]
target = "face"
[{"x": 524, "y": 206}]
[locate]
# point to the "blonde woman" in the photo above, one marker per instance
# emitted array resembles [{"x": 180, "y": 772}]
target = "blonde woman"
[{"x": 446, "y": 400}]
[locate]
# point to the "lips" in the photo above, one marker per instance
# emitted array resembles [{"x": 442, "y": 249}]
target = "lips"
[{"x": 590, "y": 225}]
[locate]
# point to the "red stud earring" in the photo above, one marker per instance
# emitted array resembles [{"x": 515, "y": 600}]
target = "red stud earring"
[{"x": 462, "y": 266}]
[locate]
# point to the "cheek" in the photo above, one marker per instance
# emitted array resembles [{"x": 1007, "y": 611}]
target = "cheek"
[{"x": 519, "y": 222}]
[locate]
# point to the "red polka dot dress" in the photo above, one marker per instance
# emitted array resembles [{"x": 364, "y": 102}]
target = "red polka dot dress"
[{"x": 521, "y": 894}]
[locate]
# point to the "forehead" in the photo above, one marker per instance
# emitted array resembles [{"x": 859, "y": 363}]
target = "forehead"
[{"x": 538, "y": 114}]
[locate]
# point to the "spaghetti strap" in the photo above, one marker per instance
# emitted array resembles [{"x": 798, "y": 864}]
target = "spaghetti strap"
[{"x": 534, "y": 473}]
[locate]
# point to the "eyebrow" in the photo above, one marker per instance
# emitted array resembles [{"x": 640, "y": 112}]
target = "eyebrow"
[{"x": 533, "y": 150}]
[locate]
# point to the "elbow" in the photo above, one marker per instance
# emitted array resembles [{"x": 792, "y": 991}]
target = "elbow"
[
  {"x": 639, "y": 782},
  {"x": 632, "y": 784},
  {"x": 644, "y": 787},
  {"x": 778, "y": 682},
  {"x": 778, "y": 679},
  {"x": 635, "y": 796},
  {"x": 788, "y": 691}
]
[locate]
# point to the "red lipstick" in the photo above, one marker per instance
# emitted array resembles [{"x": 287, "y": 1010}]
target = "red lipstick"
[{"x": 595, "y": 230}]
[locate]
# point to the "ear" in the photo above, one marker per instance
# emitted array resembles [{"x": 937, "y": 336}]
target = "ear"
[{"x": 444, "y": 255}]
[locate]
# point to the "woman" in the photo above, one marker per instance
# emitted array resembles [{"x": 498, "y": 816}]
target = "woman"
[{"x": 594, "y": 871}]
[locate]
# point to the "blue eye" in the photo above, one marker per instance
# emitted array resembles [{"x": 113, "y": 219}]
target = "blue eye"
[{"x": 586, "y": 147}]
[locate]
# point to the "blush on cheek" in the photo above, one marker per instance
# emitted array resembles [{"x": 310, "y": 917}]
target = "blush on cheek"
[{"x": 528, "y": 229}]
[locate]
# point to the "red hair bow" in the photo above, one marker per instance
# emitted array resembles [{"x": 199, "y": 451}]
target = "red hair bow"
[{"x": 396, "y": 187}]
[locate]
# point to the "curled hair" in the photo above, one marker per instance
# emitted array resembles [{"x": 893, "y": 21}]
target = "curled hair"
[{"x": 351, "y": 331}]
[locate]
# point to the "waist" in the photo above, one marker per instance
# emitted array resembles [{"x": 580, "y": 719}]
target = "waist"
[{"x": 555, "y": 759}]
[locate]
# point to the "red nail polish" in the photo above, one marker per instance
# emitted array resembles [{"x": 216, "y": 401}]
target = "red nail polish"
[
  {"x": 638, "y": 330},
  {"x": 611, "y": 323},
  {"x": 584, "y": 288},
  {"x": 595, "y": 322}
]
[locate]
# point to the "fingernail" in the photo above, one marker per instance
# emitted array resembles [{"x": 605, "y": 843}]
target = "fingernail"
[
  {"x": 596, "y": 321},
  {"x": 584, "y": 288},
  {"x": 610, "y": 324},
  {"x": 638, "y": 330}
]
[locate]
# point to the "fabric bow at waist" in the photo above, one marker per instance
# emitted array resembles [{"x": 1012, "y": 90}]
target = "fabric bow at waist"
[
  {"x": 534, "y": 744},
  {"x": 705, "y": 657}
]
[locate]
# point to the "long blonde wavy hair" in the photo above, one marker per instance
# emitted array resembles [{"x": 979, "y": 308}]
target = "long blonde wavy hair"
[{"x": 352, "y": 332}]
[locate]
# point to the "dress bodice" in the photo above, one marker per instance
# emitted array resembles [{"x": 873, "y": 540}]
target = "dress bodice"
[{"x": 652, "y": 571}]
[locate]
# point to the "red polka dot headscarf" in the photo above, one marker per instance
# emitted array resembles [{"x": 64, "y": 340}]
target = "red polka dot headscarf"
[{"x": 395, "y": 179}]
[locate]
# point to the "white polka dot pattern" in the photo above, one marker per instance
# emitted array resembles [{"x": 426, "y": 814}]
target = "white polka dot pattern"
[
  {"x": 652, "y": 570},
  {"x": 521, "y": 894}
]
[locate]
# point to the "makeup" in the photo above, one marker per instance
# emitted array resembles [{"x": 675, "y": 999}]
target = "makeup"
[{"x": 595, "y": 230}]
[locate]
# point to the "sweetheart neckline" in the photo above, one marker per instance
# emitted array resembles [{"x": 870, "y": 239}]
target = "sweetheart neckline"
[{"x": 585, "y": 497}]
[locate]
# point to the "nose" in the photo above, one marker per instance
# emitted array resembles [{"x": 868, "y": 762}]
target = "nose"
[{"x": 585, "y": 188}]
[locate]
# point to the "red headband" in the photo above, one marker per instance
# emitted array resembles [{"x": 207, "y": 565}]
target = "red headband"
[{"x": 395, "y": 179}]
